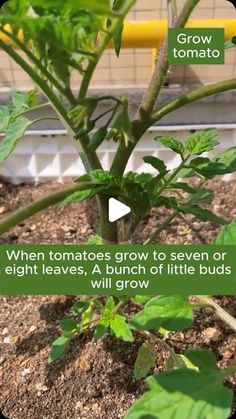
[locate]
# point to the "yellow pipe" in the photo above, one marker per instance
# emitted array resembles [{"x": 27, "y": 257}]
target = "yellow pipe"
[{"x": 149, "y": 34}]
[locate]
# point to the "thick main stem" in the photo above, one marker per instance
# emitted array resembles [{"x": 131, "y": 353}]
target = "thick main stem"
[
  {"x": 162, "y": 66},
  {"x": 142, "y": 121},
  {"x": 108, "y": 231}
]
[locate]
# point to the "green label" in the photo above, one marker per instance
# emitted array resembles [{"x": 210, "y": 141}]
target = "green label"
[
  {"x": 117, "y": 270},
  {"x": 196, "y": 46}
]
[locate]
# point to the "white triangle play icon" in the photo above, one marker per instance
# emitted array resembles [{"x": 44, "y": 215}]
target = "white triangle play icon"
[{"x": 117, "y": 210}]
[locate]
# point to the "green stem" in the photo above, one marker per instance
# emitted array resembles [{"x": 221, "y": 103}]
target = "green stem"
[
  {"x": 142, "y": 121},
  {"x": 162, "y": 226},
  {"x": 174, "y": 8},
  {"x": 105, "y": 39},
  {"x": 104, "y": 113},
  {"x": 20, "y": 215},
  {"x": 166, "y": 222},
  {"x": 108, "y": 231},
  {"x": 162, "y": 66},
  {"x": 190, "y": 97},
  {"x": 32, "y": 109},
  {"x": 171, "y": 177},
  {"x": 45, "y": 118},
  {"x": 219, "y": 311}
]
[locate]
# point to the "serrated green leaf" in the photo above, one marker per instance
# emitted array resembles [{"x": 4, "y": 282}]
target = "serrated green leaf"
[
  {"x": 145, "y": 361},
  {"x": 109, "y": 309},
  {"x": 202, "y": 195},
  {"x": 184, "y": 394},
  {"x": 81, "y": 306},
  {"x": 96, "y": 239},
  {"x": 120, "y": 328},
  {"x": 105, "y": 177},
  {"x": 227, "y": 234},
  {"x": 221, "y": 164},
  {"x": 68, "y": 325},
  {"x": 202, "y": 213},
  {"x": 168, "y": 202},
  {"x": 58, "y": 348},
  {"x": 100, "y": 330},
  {"x": 98, "y": 6},
  {"x": 186, "y": 173},
  {"x": 78, "y": 196},
  {"x": 22, "y": 101},
  {"x": 14, "y": 132},
  {"x": 184, "y": 186},
  {"x": 201, "y": 141},
  {"x": 171, "y": 142},
  {"x": 204, "y": 359},
  {"x": 156, "y": 163},
  {"x": 173, "y": 313}
]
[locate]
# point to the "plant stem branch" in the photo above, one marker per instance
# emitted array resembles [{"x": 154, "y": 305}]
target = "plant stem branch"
[
  {"x": 190, "y": 97},
  {"x": 33, "y": 109},
  {"x": 45, "y": 118},
  {"x": 159, "y": 229},
  {"x": 162, "y": 66},
  {"x": 108, "y": 231},
  {"x": 219, "y": 311},
  {"x": 20, "y": 215},
  {"x": 105, "y": 39}
]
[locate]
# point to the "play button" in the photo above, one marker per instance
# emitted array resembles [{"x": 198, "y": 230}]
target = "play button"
[{"x": 117, "y": 210}]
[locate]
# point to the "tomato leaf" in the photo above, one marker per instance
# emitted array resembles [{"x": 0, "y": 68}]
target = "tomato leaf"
[
  {"x": 14, "y": 132},
  {"x": 185, "y": 393},
  {"x": 145, "y": 361},
  {"x": 68, "y": 325},
  {"x": 171, "y": 142},
  {"x": 58, "y": 348},
  {"x": 156, "y": 163},
  {"x": 202, "y": 213},
  {"x": 173, "y": 313},
  {"x": 120, "y": 328},
  {"x": 227, "y": 234},
  {"x": 221, "y": 164},
  {"x": 201, "y": 141}
]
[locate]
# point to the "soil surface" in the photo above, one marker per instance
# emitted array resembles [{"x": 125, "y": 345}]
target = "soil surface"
[{"x": 94, "y": 380}]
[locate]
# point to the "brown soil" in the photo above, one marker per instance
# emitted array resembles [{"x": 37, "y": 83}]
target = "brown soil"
[{"x": 94, "y": 379}]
